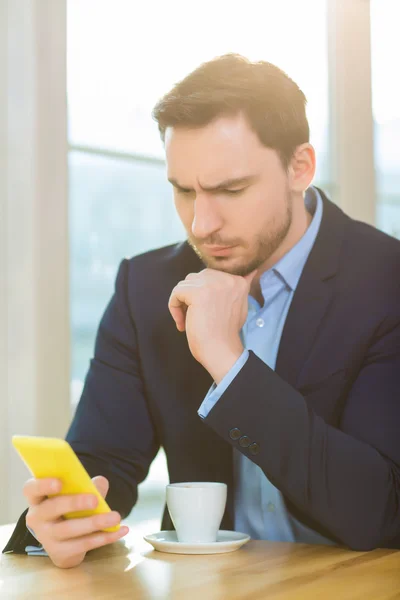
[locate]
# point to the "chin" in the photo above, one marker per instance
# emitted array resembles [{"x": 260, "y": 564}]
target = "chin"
[{"x": 233, "y": 267}]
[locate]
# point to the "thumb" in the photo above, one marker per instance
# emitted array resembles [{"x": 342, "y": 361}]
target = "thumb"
[{"x": 102, "y": 484}]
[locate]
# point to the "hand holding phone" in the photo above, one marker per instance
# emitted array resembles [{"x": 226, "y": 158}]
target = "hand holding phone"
[{"x": 67, "y": 510}]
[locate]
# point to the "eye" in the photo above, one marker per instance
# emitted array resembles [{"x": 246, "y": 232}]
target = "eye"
[{"x": 234, "y": 192}]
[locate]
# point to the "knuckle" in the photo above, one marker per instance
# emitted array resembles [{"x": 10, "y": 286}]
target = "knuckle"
[
  {"x": 106, "y": 519},
  {"x": 84, "y": 546},
  {"x": 95, "y": 523},
  {"x": 70, "y": 502},
  {"x": 87, "y": 544},
  {"x": 63, "y": 531},
  {"x": 75, "y": 503},
  {"x": 55, "y": 506},
  {"x": 98, "y": 540}
]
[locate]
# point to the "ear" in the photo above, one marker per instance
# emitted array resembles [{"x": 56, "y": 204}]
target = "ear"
[{"x": 302, "y": 168}]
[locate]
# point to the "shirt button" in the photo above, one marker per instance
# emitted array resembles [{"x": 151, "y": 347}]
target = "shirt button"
[
  {"x": 271, "y": 507},
  {"x": 260, "y": 323}
]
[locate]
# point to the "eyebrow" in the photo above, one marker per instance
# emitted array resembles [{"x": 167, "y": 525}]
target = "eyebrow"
[{"x": 220, "y": 186}]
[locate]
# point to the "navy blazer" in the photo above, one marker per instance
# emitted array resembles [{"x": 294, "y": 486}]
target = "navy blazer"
[{"x": 326, "y": 422}]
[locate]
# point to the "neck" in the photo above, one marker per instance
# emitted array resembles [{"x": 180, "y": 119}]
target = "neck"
[{"x": 301, "y": 220}]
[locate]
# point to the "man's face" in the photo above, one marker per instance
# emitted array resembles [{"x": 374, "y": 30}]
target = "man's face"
[{"x": 231, "y": 193}]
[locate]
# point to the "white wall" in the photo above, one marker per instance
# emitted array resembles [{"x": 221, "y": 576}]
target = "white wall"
[{"x": 34, "y": 299}]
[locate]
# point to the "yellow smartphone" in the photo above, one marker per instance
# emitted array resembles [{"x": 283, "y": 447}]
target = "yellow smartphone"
[{"x": 54, "y": 458}]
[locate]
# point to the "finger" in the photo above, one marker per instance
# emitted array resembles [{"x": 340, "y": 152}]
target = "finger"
[
  {"x": 36, "y": 490},
  {"x": 178, "y": 303},
  {"x": 74, "y": 528},
  {"x": 53, "y": 509},
  {"x": 89, "y": 542},
  {"x": 183, "y": 292},
  {"x": 193, "y": 277},
  {"x": 102, "y": 484},
  {"x": 179, "y": 316}
]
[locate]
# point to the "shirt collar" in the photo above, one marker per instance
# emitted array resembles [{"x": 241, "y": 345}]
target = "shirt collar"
[{"x": 290, "y": 266}]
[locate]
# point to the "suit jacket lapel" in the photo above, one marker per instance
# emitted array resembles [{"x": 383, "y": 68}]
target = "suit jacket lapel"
[{"x": 312, "y": 295}]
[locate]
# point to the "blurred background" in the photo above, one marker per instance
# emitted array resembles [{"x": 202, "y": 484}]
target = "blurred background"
[{"x": 82, "y": 176}]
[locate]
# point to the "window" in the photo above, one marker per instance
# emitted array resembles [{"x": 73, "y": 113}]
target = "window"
[
  {"x": 119, "y": 207},
  {"x": 385, "y": 16},
  {"x": 122, "y": 56}
]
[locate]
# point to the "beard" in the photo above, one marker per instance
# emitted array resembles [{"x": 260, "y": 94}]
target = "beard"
[{"x": 266, "y": 244}]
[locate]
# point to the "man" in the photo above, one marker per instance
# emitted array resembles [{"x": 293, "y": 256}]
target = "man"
[{"x": 264, "y": 353}]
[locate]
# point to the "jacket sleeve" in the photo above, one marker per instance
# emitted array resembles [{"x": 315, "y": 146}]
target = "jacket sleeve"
[
  {"x": 112, "y": 432},
  {"x": 346, "y": 479}
]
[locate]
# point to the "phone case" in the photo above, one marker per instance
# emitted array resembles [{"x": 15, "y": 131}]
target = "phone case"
[{"x": 54, "y": 458}]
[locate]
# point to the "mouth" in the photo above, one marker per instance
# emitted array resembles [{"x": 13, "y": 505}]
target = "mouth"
[{"x": 218, "y": 250}]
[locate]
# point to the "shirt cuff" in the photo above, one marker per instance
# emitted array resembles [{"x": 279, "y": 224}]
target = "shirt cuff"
[
  {"x": 216, "y": 391},
  {"x": 35, "y": 550}
]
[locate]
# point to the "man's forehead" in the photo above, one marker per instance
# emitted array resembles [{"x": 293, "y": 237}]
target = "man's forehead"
[
  {"x": 221, "y": 138},
  {"x": 210, "y": 160},
  {"x": 209, "y": 168}
]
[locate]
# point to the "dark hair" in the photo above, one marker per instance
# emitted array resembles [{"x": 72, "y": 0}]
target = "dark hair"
[{"x": 273, "y": 104}]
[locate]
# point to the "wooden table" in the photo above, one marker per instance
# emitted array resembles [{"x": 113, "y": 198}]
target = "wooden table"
[{"x": 260, "y": 570}]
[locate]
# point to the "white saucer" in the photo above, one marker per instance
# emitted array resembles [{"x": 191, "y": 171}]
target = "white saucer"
[{"x": 227, "y": 541}]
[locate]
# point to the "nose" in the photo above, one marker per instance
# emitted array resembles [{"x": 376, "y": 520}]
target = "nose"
[{"x": 206, "y": 220}]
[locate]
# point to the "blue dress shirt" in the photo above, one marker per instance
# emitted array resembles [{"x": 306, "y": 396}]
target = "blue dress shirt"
[{"x": 260, "y": 509}]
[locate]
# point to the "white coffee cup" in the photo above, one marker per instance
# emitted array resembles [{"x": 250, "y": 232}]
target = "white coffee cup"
[{"x": 196, "y": 510}]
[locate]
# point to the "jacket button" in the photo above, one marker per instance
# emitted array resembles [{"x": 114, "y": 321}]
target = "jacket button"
[
  {"x": 235, "y": 433},
  {"x": 254, "y": 449},
  {"x": 244, "y": 441}
]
